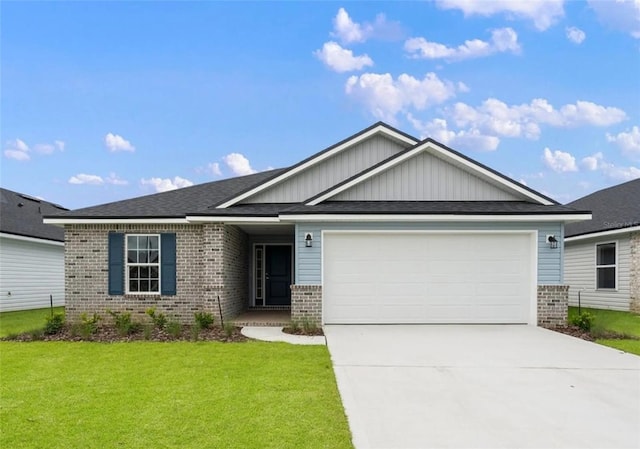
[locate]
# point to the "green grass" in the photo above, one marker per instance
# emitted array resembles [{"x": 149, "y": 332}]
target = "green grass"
[
  {"x": 625, "y": 323},
  {"x": 166, "y": 395},
  {"x": 24, "y": 320}
]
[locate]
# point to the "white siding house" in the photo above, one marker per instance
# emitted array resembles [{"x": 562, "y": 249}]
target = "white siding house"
[
  {"x": 602, "y": 256},
  {"x": 31, "y": 254}
]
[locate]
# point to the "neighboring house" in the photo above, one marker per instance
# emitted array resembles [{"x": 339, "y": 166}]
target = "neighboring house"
[
  {"x": 378, "y": 228},
  {"x": 31, "y": 253},
  {"x": 602, "y": 256}
]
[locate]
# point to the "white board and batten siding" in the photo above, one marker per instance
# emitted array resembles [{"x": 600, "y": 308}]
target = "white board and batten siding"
[
  {"x": 425, "y": 177},
  {"x": 580, "y": 274},
  {"x": 329, "y": 172},
  {"x": 30, "y": 271}
]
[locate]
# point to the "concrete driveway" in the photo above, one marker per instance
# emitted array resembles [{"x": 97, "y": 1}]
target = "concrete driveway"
[{"x": 453, "y": 386}]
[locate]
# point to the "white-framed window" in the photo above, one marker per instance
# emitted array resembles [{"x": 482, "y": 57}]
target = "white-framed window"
[
  {"x": 143, "y": 263},
  {"x": 606, "y": 265}
]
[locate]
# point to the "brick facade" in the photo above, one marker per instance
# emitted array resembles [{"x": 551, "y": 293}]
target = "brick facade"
[
  {"x": 211, "y": 260},
  {"x": 634, "y": 272},
  {"x": 306, "y": 303},
  {"x": 553, "y": 305}
]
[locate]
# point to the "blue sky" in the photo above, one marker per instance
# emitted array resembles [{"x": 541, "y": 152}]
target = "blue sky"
[{"x": 102, "y": 101}]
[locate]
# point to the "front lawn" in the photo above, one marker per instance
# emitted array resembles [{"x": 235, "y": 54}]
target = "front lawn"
[
  {"x": 24, "y": 320},
  {"x": 187, "y": 395},
  {"x": 625, "y": 324}
]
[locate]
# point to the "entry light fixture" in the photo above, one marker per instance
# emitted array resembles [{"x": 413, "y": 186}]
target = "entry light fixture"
[
  {"x": 308, "y": 240},
  {"x": 553, "y": 241}
]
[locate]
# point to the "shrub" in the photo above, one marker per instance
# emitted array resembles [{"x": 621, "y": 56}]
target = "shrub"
[
  {"x": 584, "y": 321},
  {"x": 204, "y": 320},
  {"x": 159, "y": 319},
  {"x": 123, "y": 323},
  {"x": 54, "y": 324},
  {"x": 294, "y": 326},
  {"x": 174, "y": 328},
  {"x": 229, "y": 328},
  {"x": 195, "y": 332},
  {"x": 308, "y": 326},
  {"x": 147, "y": 331},
  {"x": 88, "y": 325}
]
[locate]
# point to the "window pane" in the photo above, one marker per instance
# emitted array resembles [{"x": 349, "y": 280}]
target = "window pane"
[
  {"x": 154, "y": 286},
  {"x": 143, "y": 242},
  {"x": 144, "y": 272},
  {"x": 133, "y": 272},
  {"x": 132, "y": 256},
  {"x": 144, "y": 286},
  {"x": 153, "y": 256},
  {"x": 132, "y": 242},
  {"x": 607, "y": 277},
  {"x": 154, "y": 273},
  {"x": 142, "y": 257},
  {"x": 153, "y": 242},
  {"x": 606, "y": 254},
  {"x": 133, "y": 286}
]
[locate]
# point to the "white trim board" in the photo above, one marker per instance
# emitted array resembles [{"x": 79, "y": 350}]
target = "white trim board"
[
  {"x": 595, "y": 235},
  {"x": 443, "y": 153},
  {"x": 64, "y": 221},
  {"x": 434, "y": 217},
  {"x": 380, "y": 129},
  {"x": 31, "y": 239}
]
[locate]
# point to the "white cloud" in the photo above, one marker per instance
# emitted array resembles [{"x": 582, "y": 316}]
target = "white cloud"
[
  {"x": 341, "y": 59},
  {"x": 115, "y": 142},
  {"x": 502, "y": 40},
  {"x": 214, "y": 169},
  {"x": 83, "y": 178},
  {"x": 471, "y": 139},
  {"x": 347, "y": 31},
  {"x": 559, "y": 161},
  {"x": 575, "y": 35},
  {"x": 629, "y": 142},
  {"x": 44, "y": 148},
  {"x": 115, "y": 180},
  {"x": 597, "y": 162},
  {"x": 166, "y": 184},
  {"x": 385, "y": 97},
  {"x": 59, "y": 144},
  {"x": 621, "y": 15},
  {"x": 238, "y": 164},
  {"x": 524, "y": 120},
  {"x": 543, "y": 13},
  {"x": 592, "y": 162},
  {"x": 17, "y": 149}
]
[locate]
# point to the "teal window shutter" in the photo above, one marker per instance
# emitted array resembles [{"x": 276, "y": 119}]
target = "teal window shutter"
[
  {"x": 116, "y": 263},
  {"x": 168, "y": 264}
]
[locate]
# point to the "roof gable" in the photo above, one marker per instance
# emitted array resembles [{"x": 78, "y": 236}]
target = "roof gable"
[
  {"x": 430, "y": 171},
  {"x": 376, "y": 134}
]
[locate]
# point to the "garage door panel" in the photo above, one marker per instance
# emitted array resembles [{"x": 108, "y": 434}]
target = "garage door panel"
[{"x": 427, "y": 277}]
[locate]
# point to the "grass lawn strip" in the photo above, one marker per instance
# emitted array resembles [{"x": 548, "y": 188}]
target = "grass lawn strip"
[
  {"x": 24, "y": 320},
  {"x": 188, "y": 395},
  {"x": 625, "y": 324}
]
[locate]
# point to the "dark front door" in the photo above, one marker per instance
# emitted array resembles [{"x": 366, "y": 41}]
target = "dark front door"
[{"x": 278, "y": 275}]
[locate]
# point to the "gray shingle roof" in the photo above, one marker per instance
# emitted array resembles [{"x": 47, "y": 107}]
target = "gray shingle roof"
[
  {"x": 172, "y": 204},
  {"x": 22, "y": 214},
  {"x": 613, "y": 208}
]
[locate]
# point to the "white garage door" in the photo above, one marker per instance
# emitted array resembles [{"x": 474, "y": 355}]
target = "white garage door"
[{"x": 390, "y": 277}]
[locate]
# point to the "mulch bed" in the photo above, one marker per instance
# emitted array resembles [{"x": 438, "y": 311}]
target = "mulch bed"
[
  {"x": 301, "y": 331},
  {"x": 106, "y": 334},
  {"x": 574, "y": 331}
]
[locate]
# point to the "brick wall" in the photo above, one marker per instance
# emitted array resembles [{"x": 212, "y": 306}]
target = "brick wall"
[
  {"x": 634, "y": 273},
  {"x": 202, "y": 272},
  {"x": 553, "y": 305},
  {"x": 306, "y": 303}
]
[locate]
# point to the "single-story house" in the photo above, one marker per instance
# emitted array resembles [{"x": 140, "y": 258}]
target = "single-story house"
[
  {"x": 31, "y": 253},
  {"x": 378, "y": 228},
  {"x": 602, "y": 256}
]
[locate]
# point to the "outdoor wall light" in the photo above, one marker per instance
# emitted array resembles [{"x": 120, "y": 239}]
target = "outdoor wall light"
[
  {"x": 308, "y": 240},
  {"x": 553, "y": 241}
]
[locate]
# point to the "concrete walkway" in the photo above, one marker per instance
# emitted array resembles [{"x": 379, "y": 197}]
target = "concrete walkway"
[
  {"x": 483, "y": 387},
  {"x": 275, "y": 334}
]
